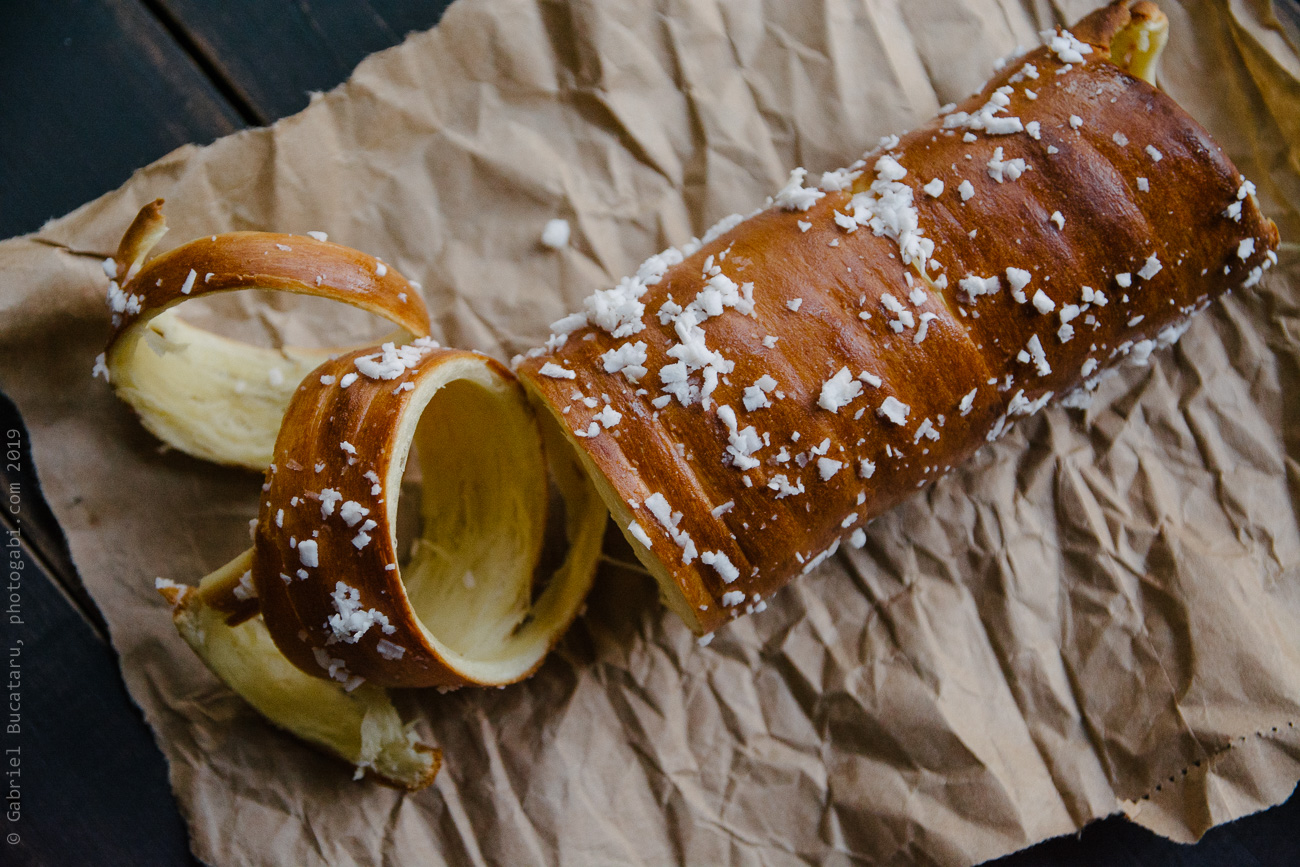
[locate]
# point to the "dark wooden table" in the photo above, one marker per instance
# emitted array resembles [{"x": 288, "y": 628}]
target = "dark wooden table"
[{"x": 89, "y": 91}]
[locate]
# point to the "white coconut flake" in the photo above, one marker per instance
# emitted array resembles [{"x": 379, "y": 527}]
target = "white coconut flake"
[
  {"x": 975, "y": 286},
  {"x": 188, "y": 285},
  {"x": 1005, "y": 170},
  {"x": 554, "y": 371},
  {"x": 1151, "y": 268},
  {"x": 1069, "y": 49},
  {"x": 723, "y": 566},
  {"x": 894, "y": 410},
  {"x": 668, "y": 519},
  {"x": 1043, "y": 303},
  {"x": 639, "y": 534},
  {"x": 1154, "y": 153},
  {"x": 308, "y": 554},
  {"x": 756, "y": 395},
  {"x": 350, "y": 621},
  {"x": 839, "y": 391},
  {"x": 967, "y": 190},
  {"x": 826, "y": 468},
  {"x": 1245, "y": 248},
  {"x": 783, "y": 488},
  {"x": 794, "y": 304},
  {"x": 1038, "y": 355},
  {"x": 934, "y": 189},
  {"x": 555, "y": 234},
  {"x": 1018, "y": 279},
  {"x": 968, "y": 401},
  {"x": 794, "y": 196}
]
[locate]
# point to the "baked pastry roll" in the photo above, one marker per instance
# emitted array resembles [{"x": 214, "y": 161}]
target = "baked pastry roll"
[{"x": 746, "y": 403}]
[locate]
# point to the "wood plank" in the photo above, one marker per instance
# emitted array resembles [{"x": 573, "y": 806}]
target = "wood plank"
[
  {"x": 91, "y": 785},
  {"x": 275, "y": 54},
  {"x": 92, "y": 90}
]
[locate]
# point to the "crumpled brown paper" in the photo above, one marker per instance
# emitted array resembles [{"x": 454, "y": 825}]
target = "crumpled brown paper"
[{"x": 1101, "y": 612}]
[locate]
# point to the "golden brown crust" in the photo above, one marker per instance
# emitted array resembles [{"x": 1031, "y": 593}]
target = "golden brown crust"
[
  {"x": 333, "y": 486},
  {"x": 261, "y": 260},
  {"x": 1078, "y": 216},
  {"x": 208, "y": 396}
]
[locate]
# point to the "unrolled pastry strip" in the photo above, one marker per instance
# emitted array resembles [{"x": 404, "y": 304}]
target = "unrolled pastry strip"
[
  {"x": 740, "y": 405},
  {"x": 207, "y": 395},
  {"x": 746, "y": 403}
]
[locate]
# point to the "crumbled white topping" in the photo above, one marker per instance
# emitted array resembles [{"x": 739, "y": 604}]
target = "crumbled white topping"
[
  {"x": 609, "y": 417},
  {"x": 1151, "y": 268},
  {"x": 968, "y": 401},
  {"x": 975, "y": 286},
  {"x": 794, "y": 196},
  {"x": 1033, "y": 127},
  {"x": 669, "y": 520},
  {"x": 308, "y": 553},
  {"x": 348, "y": 379},
  {"x": 782, "y": 486},
  {"x": 188, "y": 285},
  {"x": 858, "y": 538},
  {"x": 742, "y": 444},
  {"x": 1245, "y": 248},
  {"x": 352, "y": 512},
  {"x": 1065, "y": 46},
  {"x": 554, "y": 371},
  {"x": 870, "y": 379},
  {"x": 639, "y": 534},
  {"x": 934, "y": 188},
  {"x": 925, "y": 429},
  {"x": 1233, "y": 211},
  {"x": 556, "y": 234},
  {"x": 245, "y": 589},
  {"x": 1018, "y": 279},
  {"x": 380, "y": 269},
  {"x": 733, "y": 597},
  {"x": 351, "y": 621},
  {"x": 1058, "y": 219},
  {"x": 839, "y": 391},
  {"x": 1089, "y": 365},
  {"x": 1154, "y": 153},
  {"x": 756, "y": 395},
  {"x": 845, "y": 222},
  {"x": 1144, "y": 185},
  {"x": 866, "y": 468},
  {"x": 924, "y": 328},
  {"x": 1000, "y": 169},
  {"x": 390, "y": 651},
  {"x": 284, "y": 248},
  {"x": 1075, "y": 121},
  {"x": 328, "y": 499},
  {"x": 894, "y": 410},
  {"x": 826, "y": 468},
  {"x": 1043, "y": 303},
  {"x": 985, "y": 117},
  {"x": 967, "y": 190},
  {"x": 803, "y": 225},
  {"x": 840, "y": 179},
  {"x": 723, "y": 566},
  {"x": 887, "y": 207},
  {"x": 101, "y": 366},
  {"x": 393, "y": 361},
  {"x": 1120, "y": 139},
  {"x": 1039, "y": 356}
]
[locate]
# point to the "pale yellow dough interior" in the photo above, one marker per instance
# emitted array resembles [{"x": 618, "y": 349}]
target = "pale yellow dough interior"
[
  {"x": 484, "y": 494},
  {"x": 209, "y": 396}
]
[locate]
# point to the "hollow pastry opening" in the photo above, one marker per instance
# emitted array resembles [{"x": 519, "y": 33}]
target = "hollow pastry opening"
[{"x": 473, "y": 580}]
